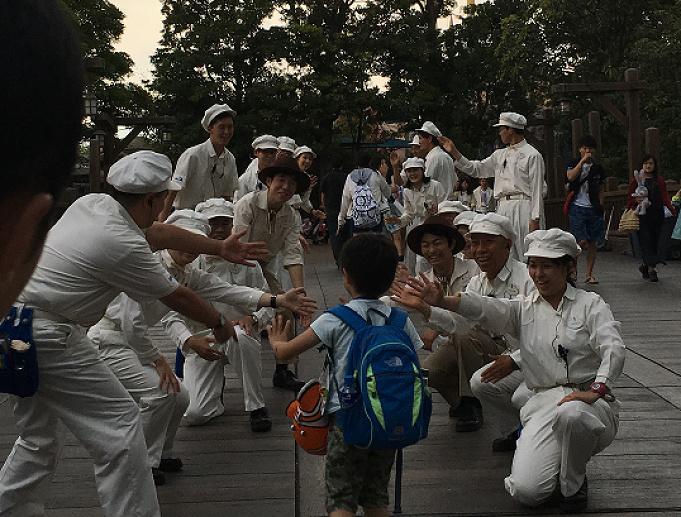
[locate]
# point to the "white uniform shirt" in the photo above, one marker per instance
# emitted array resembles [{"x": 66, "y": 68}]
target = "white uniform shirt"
[
  {"x": 379, "y": 189},
  {"x": 279, "y": 230},
  {"x": 93, "y": 253},
  {"x": 516, "y": 169},
  {"x": 338, "y": 337},
  {"x": 210, "y": 287},
  {"x": 583, "y": 325},
  {"x": 415, "y": 200},
  {"x": 238, "y": 274},
  {"x": 248, "y": 181},
  {"x": 203, "y": 175},
  {"x": 440, "y": 167}
]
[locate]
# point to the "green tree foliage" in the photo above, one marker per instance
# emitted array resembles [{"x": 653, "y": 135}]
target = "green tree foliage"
[
  {"x": 100, "y": 25},
  {"x": 217, "y": 51}
]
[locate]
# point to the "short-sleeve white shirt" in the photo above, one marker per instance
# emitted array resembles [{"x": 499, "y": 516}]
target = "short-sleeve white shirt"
[
  {"x": 203, "y": 175},
  {"x": 93, "y": 253}
]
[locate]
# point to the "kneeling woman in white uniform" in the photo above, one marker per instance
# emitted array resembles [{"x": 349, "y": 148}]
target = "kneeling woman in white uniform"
[{"x": 571, "y": 355}]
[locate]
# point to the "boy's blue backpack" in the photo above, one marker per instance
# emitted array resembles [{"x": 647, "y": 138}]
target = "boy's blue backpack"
[{"x": 385, "y": 403}]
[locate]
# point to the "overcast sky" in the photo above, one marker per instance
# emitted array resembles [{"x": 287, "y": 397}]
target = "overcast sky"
[{"x": 143, "y": 23}]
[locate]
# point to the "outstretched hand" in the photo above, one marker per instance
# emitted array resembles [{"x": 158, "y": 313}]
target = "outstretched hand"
[
  {"x": 296, "y": 300},
  {"x": 234, "y": 250},
  {"x": 430, "y": 292},
  {"x": 404, "y": 295}
]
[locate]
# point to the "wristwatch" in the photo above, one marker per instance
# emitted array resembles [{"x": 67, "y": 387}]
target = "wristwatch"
[
  {"x": 223, "y": 321},
  {"x": 273, "y": 301},
  {"x": 599, "y": 388}
]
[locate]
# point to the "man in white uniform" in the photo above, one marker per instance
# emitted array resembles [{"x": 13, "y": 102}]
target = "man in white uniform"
[
  {"x": 42, "y": 79},
  {"x": 203, "y": 368},
  {"x": 265, "y": 151},
  {"x": 99, "y": 248},
  {"x": 518, "y": 171},
  {"x": 439, "y": 165},
  {"x": 208, "y": 169}
]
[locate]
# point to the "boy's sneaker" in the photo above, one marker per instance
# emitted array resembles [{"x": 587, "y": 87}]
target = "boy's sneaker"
[
  {"x": 286, "y": 379},
  {"x": 159, "y": 476},
  {"x": 170, "y": 465},
  {"x": 260, "y": 421}
]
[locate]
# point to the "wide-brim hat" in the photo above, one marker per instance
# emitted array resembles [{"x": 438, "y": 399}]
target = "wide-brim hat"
[
  {"x": 286, "y": 165},
  {"x": 436, "y": 225}
]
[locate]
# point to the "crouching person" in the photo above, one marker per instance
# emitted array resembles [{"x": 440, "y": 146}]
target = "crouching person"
[
  {"x": 354, "y": 476},
  {"x": 204, "y": 357}
]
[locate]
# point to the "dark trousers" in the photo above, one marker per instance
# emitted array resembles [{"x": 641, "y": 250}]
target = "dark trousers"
[{"x": 337, "y": 241}]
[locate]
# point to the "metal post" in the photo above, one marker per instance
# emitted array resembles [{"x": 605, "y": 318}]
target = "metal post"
[{"x": 398, "y": 483}]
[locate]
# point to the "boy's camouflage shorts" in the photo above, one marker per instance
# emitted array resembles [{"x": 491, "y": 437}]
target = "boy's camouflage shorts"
[{"x": 355, "y": 476}]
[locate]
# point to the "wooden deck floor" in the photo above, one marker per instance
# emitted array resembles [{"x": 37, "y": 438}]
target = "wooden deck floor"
[{"x": 230, "y": 471}]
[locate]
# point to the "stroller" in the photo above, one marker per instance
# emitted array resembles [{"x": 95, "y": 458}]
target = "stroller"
[{"x": 315, "y": 229}]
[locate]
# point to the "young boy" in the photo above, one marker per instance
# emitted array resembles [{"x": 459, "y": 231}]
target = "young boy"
[{"x": 354, "y": 476}]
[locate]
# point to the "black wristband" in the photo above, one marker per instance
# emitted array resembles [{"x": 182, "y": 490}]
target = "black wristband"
[{"x": 273, "y": 301}]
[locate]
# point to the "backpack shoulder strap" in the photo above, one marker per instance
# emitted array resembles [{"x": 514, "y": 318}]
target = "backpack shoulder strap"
[
  {"x": 347, "y": 315},
  {"x": 398, "y": 318}
]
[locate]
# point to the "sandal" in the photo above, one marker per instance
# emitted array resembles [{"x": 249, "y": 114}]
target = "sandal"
[{"x": 591, "y": 280}]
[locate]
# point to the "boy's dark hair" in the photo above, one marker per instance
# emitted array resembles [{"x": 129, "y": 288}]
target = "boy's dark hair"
[
  {"x": 587, "y": 141},
  {"x": 363, "y": 159},
  {"x": 370, "y": 260},
  {"x": 42, "y": 103}
]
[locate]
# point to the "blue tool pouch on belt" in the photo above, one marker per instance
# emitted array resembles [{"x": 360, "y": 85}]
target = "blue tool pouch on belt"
[{"x": 18, "y": 360}]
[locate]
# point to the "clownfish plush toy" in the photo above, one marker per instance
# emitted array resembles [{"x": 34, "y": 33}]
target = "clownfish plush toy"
[{"x": 310, "y": 427}]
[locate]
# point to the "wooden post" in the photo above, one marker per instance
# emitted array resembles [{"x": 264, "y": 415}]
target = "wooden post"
[
  {"x": 634, "y": 120},
  {"x": 595, "y": 131},
  {"x": 577, "y": 132},
  {"x": 549, "y": 157},
  {"x": 95, "y": 163},
  {"x": 559, "y": 178},
  {"x": 652, "y": 138}
]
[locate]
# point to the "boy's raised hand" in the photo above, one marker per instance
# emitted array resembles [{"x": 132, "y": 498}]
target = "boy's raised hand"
[
  {"x": 277, "y": 332},
  {"x": 402, "y": 294}
]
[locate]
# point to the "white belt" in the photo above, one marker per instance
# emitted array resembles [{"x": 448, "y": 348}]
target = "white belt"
[{"x": 513, "y": 197}]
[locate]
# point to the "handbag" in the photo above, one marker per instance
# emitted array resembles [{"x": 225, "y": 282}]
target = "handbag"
[
  {"x": 629, "y": 221},
  {"x": 18, "y": 358}
]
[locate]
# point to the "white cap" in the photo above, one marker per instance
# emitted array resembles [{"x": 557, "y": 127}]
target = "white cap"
[
  {"x": 143, "y": 172},
  {"x": 553, "y": 243},
  {"x": 414, "y": 163},
  {"x": 287, "y": 144},
  {"x": 415, "y": 140},
  {"x": 216, "y": 207},
  {"x": 214, "y": 111},
  {"x": 510, "y": 119},
  {"x": 464, "y": 218},
  {"x": 303, "y": 149},
  {"x": 452, "y": 206},
  {"x": 430, "y": 128},
  {"x": 265, "y": 142},
  {"x": 492, "y": 224},
  {"x": 190, "y": 220}
]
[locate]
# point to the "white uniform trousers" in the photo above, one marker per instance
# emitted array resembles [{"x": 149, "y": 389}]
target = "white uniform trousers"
[
  {"x": 556, "y": 443},
  {"x": 502, "y": 400},
  {"x": 80, "y": 391},
  {"x": 160, "y": 412},
  {"x": 204, "y": 380},
  {"x": 519, "y": 211}
]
